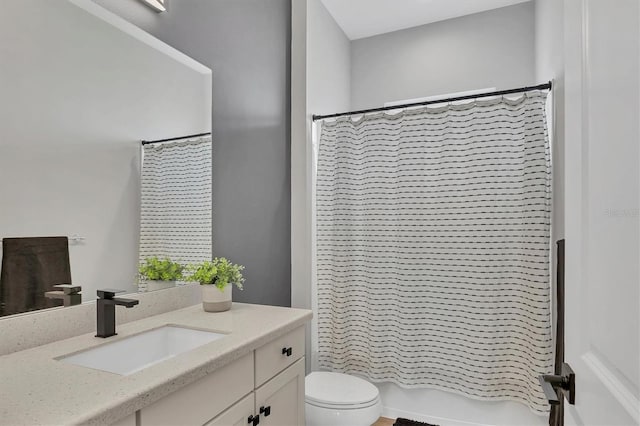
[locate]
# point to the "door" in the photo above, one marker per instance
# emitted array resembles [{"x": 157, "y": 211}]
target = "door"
[
  {"x": 602, "y": 113},
  {"x": 280, "y": 401}
]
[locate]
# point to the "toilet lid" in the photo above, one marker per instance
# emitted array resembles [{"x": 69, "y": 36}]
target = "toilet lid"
[{"x": 326, "y": 388}]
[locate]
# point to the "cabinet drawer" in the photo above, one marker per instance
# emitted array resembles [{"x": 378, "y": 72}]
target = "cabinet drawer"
[
  {"x": 201, "y": 401},
  {"x": 270, "y": 359}
]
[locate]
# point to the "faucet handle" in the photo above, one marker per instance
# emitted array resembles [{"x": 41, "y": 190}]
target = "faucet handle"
[
  {"x": 108, "y": 293},
  {"x": 69, "y": 288}
]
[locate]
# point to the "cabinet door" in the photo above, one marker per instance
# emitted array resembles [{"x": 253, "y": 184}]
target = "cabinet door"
[
  {"x": 237, "y": 415},
  {"x": 283, "y": 396},
  {"x": 199, "y": 402},
  {"x": 127, "y": 421}
]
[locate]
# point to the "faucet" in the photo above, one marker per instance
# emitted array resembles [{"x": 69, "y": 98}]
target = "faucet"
[
  {"x": 68, "y": 293},
  {"x": 106, "y": 306}
]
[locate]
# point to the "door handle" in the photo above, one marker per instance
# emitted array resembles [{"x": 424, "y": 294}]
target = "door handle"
[
  {"x": 566, "y": 382},
  {"x": 253, "y": 420}
]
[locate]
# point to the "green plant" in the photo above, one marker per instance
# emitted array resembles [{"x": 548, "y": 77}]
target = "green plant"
[
  {"x": 219, "y": 272},
  {"x": 161, "y": 270}
]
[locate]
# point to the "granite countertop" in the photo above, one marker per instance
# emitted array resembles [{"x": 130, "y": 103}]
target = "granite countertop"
[{"x": 37, "y": 389}]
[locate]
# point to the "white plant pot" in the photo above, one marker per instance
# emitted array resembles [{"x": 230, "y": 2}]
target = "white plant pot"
[
  {"x": 153, "y": 285},
  {"x": 216, "y": 300}
]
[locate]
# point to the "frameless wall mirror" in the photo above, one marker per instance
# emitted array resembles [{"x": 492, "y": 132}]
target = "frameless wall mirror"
[{"x": 70, "y": 152}]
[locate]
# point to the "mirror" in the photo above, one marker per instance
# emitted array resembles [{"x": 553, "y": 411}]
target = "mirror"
[{"x": 81, "y": 88}]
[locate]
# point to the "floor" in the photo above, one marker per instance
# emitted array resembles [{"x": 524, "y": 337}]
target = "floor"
[{"x": 383, "y": 421}]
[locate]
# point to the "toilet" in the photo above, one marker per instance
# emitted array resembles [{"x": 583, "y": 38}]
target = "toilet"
[{"x": 336, "y": 399}]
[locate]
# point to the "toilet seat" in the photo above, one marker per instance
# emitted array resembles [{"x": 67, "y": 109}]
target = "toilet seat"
[
  {"x": 339, "y": 391},
  {"x": 342, "y": 406}
]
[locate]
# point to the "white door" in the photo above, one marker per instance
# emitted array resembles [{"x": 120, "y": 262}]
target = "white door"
[{"x": 602, "y": 80}]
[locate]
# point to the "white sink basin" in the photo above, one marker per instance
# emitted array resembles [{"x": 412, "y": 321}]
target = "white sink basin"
[{"x": 142, "y": 350}]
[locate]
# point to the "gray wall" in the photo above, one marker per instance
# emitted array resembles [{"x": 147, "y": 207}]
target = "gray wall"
[
  {"x": 489, "y": 49},
  {"x": 247, "y": 45}
]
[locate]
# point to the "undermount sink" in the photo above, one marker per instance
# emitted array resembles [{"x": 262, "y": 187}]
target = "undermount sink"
[{"x": 143, "y": 350}]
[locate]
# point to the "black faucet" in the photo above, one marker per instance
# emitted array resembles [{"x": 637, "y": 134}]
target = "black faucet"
[{"x": 106, "y": 305}]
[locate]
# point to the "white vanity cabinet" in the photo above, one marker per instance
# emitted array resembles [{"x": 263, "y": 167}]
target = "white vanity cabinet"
[
  {"x": 127, "y": 421},
  {"x": 238, "y": 414},
  {"x": 264, "y": 387},
  {"x": 279, "y": 402},
  {"x": 283, "y": 397}
]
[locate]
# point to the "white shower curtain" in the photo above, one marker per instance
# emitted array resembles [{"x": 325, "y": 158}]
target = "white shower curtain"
[
  {"x": 175, "y": 210},
  {"x": 432, "y": 233}
]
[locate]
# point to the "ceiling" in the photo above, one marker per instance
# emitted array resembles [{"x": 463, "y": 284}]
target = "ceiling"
[{"x": 365, "y": 18}]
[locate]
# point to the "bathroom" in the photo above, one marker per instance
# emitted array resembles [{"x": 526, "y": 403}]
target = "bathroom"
[{"x": 83, "y": 82}]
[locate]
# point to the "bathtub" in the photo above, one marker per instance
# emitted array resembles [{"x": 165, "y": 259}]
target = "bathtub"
[{"x": 448, "y": 409}]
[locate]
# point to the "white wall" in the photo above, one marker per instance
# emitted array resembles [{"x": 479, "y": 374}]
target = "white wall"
[
  {"x": 78, "y": 95},
  {"x": 328, "y": 62},
  {"x": 320, "y": 83},
  {"x": 549, "y": 55},
  {"x": 487, "y": 49}
]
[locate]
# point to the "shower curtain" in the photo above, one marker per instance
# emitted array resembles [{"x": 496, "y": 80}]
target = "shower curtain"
[
  {"x": 175, "y": 206},
  {"x": 432, "y": 248}
]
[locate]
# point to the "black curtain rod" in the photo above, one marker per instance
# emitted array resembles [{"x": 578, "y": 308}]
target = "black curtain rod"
[
  {"x": 545, "y": 86},
  {"x": 175, "y": 139}
]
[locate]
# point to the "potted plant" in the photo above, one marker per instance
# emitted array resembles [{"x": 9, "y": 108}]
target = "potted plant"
[
  {"x": 217, "y": 279},
  {"x": 160, "y": 274}
]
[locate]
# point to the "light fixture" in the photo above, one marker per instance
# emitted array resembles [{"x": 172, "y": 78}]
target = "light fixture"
[{"x": 157, "y": 5}]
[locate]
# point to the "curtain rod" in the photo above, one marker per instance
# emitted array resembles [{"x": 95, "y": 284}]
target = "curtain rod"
[
  {"x": 176, "y": 138},
  {"x": 545, "y": 86}
]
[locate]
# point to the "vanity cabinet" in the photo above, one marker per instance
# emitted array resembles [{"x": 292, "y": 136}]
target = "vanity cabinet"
[
  {"x": 277, "y": 355},
  {"x": 279, "y": 402},
  {"x": 238, "y": 414},
  {"x": 199, "y": 402},
  {"x": 266, "y": 384},
  {"x": 127, "y": 421},
  {"x": 283, "y": 396}
]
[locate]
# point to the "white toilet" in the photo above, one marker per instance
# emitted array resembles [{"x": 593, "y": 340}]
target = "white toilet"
[{"x": 336, "y": 399}]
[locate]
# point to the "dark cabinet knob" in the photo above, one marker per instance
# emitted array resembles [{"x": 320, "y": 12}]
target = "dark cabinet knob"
[
  {"x": 253, "y": 420},
  {"x": 265, "y": 410},
  {"x": 287, "y": 351}
]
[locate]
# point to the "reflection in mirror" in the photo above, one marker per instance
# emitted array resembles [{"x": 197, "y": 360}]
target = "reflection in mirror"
[
  {"x": 30, "y": 269},
  {"x": 175, "y": 210},
  {"x": 80, "y": 89}
]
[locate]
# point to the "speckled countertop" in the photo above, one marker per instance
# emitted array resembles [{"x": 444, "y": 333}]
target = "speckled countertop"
[{"x": 36, "y": 389}]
